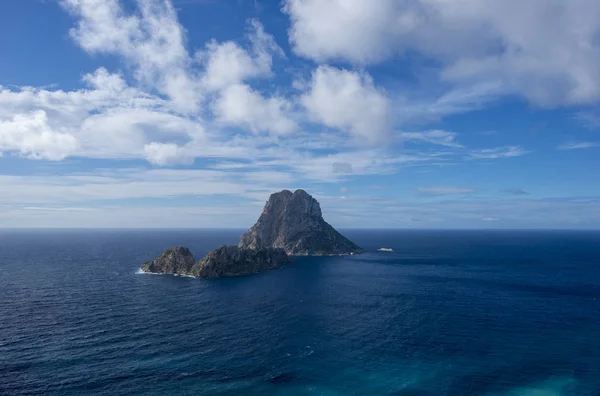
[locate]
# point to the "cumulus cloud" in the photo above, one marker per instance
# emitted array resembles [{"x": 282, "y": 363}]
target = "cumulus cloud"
[
  {"x": 111, "y": 119},
  {"x": 151, "y": 40},
  {"x": 338, "y": 29},
  {"x": 32, "y": 136},
  {"x": 349, "y": 101},
  {"x": 170, "y": 105},
  {"x": 239, "y": 105},
  {"x": 489, "y": 219},
  {"x": 166, "y": 154},
  {"x": 160, "y": 115},
  {"x": 547, "y": 51},
  {"x": 227, "y": 63}
]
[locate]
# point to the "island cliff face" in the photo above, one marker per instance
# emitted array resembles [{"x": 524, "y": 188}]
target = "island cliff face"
[
  {"x": 224, "y": 261},
  {"x": 177, "y": 260},
  {"x": 232, "y": 261},
  {"x": 294, "y": 223}
]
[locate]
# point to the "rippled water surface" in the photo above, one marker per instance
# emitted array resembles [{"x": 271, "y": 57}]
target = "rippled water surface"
[{"x": 446, "y": 313}]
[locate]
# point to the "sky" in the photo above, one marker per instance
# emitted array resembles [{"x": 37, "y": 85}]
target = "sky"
[{"x": 393, "y": 114}]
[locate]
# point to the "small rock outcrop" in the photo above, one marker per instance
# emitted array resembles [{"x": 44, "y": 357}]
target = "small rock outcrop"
[
  {"x": 177, "y": 260},
  {"x": 294, "y": 222},
  {"x": 223, "y": 261},
  {"x": 233, "y": 261}
]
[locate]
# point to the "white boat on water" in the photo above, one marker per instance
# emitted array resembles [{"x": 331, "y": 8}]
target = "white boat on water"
[{"x": 385, "y": 249}]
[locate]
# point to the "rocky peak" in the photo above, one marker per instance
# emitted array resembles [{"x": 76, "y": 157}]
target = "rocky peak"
[
  {"x": 304, "y": 204},
  {"x": 177, "y": 260},
  {"x": 299, "y": 204},
  {"x": 294, "y": 222}
]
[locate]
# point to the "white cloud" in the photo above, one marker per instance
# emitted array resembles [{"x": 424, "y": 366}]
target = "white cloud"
[
  {"x": 349, "y": 101},
  {"x": 547, "y": 51},
  {"x": 498, "y": 152},
  {"x": 489, "y": 219},
  {"x": 581, "y": 145},
  {"x": 253, "y": 136},
  {"x": 32, "y": 136},
  {"x": 341, "y": 29},
  {"x": 94, "y": 200},
  {"x": 227, "y": 63},
  {"x": 443, "y": 138},
  {"x": 151, "y": 40},
  {"x": 103, "y": 81},
  {"x": 108, "y": 90},
  {"x": 459, "y": 99},
  {"x": 444, "y": 190},
  {"x": 112, "y": 184},
  {"x": 366, "y": 211},
  {"x": 165, "y": 154},
  {"x": 112, "y": 119},
  {"x": 239, "y": 105}
]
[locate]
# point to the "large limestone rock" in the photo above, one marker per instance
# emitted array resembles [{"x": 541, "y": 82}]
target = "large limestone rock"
[
  {"x": 290, "y": 224},
  {"x": 177, "y": 260},
  {"x": 294, "y": 223},
  {"x": 233, "y": 261}
]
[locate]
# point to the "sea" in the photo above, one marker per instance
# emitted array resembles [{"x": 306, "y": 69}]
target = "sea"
[{"x": 445, "y": 313}]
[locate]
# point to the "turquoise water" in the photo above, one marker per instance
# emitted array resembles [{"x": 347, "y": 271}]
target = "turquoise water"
[{"x": 446, "y": 313}]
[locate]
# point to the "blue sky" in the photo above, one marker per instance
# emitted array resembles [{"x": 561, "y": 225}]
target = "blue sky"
[{"x": 189, "y": 113}]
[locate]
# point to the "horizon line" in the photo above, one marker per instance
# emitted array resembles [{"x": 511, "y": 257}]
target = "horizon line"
[{"x": 340, "y": 228}]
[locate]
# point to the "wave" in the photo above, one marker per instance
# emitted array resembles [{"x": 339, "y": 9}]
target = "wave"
[{"x": 140, "y": 272}]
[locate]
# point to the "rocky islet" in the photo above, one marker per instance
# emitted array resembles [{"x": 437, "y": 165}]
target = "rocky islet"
[{"x": 290, "y": 224}]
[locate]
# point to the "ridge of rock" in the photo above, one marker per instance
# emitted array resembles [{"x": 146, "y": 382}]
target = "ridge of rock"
[
  {"x": 177, "y": 260},
  {"x": 294, "y": 222},
  {"x": 233, "y": 261},
  {"x": 223, "y": 261}
]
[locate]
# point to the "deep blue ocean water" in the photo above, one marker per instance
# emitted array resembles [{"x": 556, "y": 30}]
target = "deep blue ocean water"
[{"x": 447, "y": 313}]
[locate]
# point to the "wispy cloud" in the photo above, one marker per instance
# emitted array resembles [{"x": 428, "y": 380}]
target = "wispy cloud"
[
  {"x": 515, "y": 191},
  {"x": 580, "y": 145},
  {"x": 439, "y": 137},
  {"x": 588, "y": 119},
  {"x": 498, "y": 152},
  {"x": 444, "y": 190}
]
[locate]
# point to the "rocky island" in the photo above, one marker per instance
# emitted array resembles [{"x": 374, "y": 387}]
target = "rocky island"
[
  {"x": 294, "y": 223},
  {"x": 223, "y": 261},
  {"x": 232, "y": 260},
  {"x": 290, "y": 224},
  {"x": 177, "y": 260}
]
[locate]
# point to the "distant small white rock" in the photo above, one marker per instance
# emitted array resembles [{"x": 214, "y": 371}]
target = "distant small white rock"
[{"x": 385, "y": 249}]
